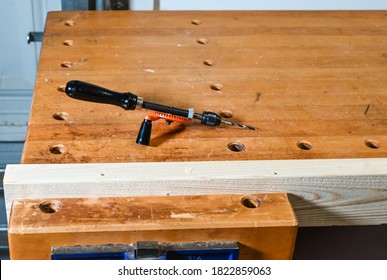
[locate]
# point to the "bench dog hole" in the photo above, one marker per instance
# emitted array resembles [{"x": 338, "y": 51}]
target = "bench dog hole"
[
  {"x": 61, "y": 88},
  {"x": 202, "y": 41},
  {"x": 50, "y": 206},
  {"x": 61, "y": 116},
  {"x": 58, "y": 149},
  {"x": 216, "y": 86},
  {"x": 69, "y": 22},
  {"x": 304, "y": 145},
  {"x": 236, "y": 147},
  {"x": 209, "y": 62},
  {"x": 196, "y": 22},
  {"x": 226, "y": 114},
  {"x": 251, "y": 201},
  {"x": 372, "y": 144},
  {"x": 68, "y": 42},
  {"x": 66, "y": 64}
]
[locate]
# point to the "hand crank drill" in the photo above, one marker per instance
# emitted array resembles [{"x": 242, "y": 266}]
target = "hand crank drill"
[{"x": 129, "y": 101}]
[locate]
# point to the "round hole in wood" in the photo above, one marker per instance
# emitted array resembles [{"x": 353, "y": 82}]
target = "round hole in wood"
[
  {"x": 69, "y": 22},
  {"x": 196, "y": 22},
  {"x": 58, "y": 149},
  {"x": 68, "y": 42},
  {"x": 226, "y": 114},
  {"x": 61, "y": 88},
  {"x": 50, "y": 206},
  {"x": 66, "y": 64},
  {"x": 216, "y": 86},
  {"x": 209, "y": 62},
  {"x": 304, "y": 145},
  {"x": 251, "y": 201},
  {"x": 202, "y": 41},
  {"x": 372, "y": 144},
  {"x": 236, "y": 147},
  {"x": 61, "y": 116}
]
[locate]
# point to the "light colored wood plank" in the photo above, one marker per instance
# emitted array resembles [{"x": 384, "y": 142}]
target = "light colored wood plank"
[
  {"x": 266, "y": 231},
  {"x": 315, "y": 76},
  {"x": 322, "y": 192}
]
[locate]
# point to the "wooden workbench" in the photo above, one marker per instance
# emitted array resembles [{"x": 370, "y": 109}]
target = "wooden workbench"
[{"x": 313, "y": 83}]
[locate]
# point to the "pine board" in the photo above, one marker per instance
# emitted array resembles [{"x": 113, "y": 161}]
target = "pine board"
[{"x": 322, "y": 192}]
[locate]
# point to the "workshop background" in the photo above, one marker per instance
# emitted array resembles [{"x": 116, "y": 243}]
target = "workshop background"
[{"x": 18, "y": 65}]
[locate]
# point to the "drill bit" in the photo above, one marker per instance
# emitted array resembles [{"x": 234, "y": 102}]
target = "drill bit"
[
  {"x": 213, "y": 119},
  {"x": 239, "y": 125}
]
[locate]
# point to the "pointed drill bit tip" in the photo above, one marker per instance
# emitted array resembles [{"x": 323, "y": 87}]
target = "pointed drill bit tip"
[{"x": 251, "y": 127}]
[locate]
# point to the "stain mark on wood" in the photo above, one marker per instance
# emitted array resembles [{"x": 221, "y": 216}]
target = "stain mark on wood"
[
  {"x": 366, "y": 110},
  {"x": 83, "y": 60},
  {"x": 182, "y": 216},
  {"x": 91, "y": 40},
  {"x": 375, "y": 115},
  {"x": 257, "y": 96}
]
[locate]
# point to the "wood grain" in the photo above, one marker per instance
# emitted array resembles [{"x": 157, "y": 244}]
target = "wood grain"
[
  {"x": 322, "y": 192},
  {"x": 267, "y": 231},
  {"x": 318, "y": 77}
]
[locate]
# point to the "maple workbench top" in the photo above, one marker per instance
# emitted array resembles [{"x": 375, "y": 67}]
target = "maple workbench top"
[{"x": 313, "y": 83}]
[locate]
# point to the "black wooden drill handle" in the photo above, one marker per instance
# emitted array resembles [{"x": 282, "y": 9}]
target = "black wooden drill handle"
[{"x": 93, "y": 93}]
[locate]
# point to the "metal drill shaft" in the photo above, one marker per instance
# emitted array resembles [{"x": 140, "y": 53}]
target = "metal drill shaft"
[{"x": 239, "y": 125}]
